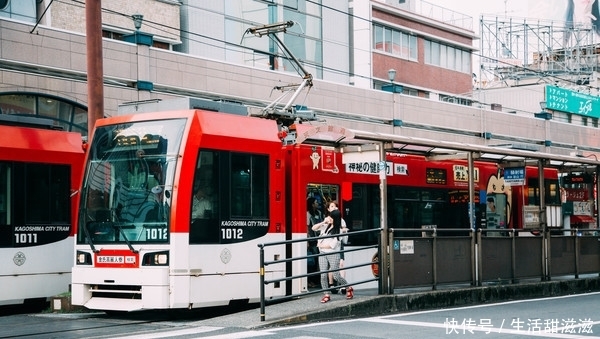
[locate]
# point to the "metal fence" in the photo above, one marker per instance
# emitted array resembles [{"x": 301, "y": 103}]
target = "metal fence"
[
  {"x": 264, "y": 263},
  {"x": 490, "y": 256},
  {"x": 434, "y": 257}
]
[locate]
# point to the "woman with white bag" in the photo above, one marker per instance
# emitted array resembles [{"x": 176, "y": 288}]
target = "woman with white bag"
[{"x": 330, "y": 247}]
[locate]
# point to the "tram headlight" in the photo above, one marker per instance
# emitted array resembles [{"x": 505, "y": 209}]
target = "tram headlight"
[
  {"x": 156, "y": 259},
  {"x": 83, "y": 258}
]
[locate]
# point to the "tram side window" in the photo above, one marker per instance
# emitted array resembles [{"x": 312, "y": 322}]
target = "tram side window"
[
  {"x": 227, "y": 186},
  {"x": 551, "y": 195},
  {"x": 364, "y": 213},
  {"x": 205, "y": 199},
  {"x": 4, "y": 195},
  {"x": 249, "y": 186},
  {"x": 42, "y": 192}
]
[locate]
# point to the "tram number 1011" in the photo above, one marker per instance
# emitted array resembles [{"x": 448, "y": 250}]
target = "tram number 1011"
[
  {"x": 232, "y": 233},
  {"x": 26, "y": 238}
]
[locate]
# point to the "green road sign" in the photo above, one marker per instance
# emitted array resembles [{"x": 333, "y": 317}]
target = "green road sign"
[{"x": 566, "y": 100}]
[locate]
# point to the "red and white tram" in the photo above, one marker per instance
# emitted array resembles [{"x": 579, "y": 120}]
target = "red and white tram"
[
  {"x": 40, "y": 171},
  {"x": 174, "y": 204}
]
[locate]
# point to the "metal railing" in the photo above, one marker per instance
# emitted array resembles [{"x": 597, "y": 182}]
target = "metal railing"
[
  {"x": 434, "y": 257},
  {"x": 264, "y": 263},
  {"x": 464, "y": 256}
]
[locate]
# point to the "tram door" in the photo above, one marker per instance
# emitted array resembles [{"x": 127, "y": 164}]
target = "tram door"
[{"x": 318, "y": 197}]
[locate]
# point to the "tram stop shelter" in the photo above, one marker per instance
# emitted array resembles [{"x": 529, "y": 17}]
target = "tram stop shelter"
[{"x": 372, "y": 146}]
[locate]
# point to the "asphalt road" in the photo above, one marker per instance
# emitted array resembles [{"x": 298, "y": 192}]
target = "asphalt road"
[{"x": 574, "y": 316}]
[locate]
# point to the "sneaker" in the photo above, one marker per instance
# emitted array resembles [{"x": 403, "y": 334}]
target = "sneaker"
[
  {"x": 349, "y": 293},
  {"x": 332, "y": 289},
  {"x": 342, "y": 290}
]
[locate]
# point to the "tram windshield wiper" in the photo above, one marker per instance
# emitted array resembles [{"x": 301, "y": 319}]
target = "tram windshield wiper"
[
  {"x": 89, "y": 238},
  {"x": 120, "y": 227}
]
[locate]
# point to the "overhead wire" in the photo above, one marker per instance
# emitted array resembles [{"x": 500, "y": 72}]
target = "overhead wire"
[{"x": 225, "y": 44}]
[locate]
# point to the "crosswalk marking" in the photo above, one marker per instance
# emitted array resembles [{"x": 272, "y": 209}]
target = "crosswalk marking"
[
  {"x": 240, "y": 335},
  {"x": 167, "y": 334}
]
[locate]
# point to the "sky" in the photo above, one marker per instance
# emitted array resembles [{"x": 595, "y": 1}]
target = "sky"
[{"x": 533, "y": 9}]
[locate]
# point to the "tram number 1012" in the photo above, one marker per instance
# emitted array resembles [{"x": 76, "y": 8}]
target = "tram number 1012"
[
  {"x": 156, "y": 233},
  {"x": 232, "y": 233}
]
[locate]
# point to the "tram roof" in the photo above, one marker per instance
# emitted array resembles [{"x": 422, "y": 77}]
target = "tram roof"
[{"x": 439, "y": 149}]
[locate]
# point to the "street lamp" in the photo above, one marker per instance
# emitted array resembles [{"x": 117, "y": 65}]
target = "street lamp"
[
  {"x": 392, "y": 75},
  {"x": 543, "y": 114},
  {"x": 391, "y": 87},
  {"x": 138, "y": 37},
  {"x": 137, "y": 20}
]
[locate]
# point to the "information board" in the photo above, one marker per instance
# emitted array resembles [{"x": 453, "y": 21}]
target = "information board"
[
  {"x": 514, "y": 176},
  {"x": 566, "y": 100}
]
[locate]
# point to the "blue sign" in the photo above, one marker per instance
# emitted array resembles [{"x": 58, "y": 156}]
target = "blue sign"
[{"x": 514, "y": 175}]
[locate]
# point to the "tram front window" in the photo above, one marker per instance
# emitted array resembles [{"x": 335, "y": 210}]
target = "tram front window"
[{"x": 128, "y": 182}]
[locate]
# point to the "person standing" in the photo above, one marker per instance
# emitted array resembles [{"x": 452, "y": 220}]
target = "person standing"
[
  {"x": 332, "y": 282},
  {"x": 330, "y": 247}
]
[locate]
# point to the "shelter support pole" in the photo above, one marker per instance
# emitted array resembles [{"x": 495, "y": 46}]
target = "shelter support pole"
[
  {"x": 543, "y": 223},
  {"x": 596, "y": 197},
  {"x": 387, "y": 266},
  {"x": 472, "y": 219}
]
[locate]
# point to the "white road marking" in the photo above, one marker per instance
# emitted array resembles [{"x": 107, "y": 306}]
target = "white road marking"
[{"x": 167, "y": 334}]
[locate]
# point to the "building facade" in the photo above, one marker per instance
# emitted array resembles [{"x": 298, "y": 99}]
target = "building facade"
[{"x": 42, "y": 58}]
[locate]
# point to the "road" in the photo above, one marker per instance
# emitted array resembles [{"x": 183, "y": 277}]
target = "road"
[{"x": 574, "y": 316}]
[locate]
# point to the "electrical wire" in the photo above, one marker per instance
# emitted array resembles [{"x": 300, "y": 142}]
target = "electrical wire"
[{"x": 167, "y": 29}]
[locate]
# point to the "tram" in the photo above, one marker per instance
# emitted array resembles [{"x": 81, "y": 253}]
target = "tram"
[
  {"x": 40, "y": 172},
  {"x": 174, "y": 204}
]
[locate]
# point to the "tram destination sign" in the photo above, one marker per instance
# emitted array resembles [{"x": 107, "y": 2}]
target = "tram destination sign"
[
  {"x": 566, "y": 100},
  {"x": 514, "y": 176}
]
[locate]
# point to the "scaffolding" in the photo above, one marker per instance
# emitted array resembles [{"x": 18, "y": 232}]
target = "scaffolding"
[{"x": 516, "y": 52}]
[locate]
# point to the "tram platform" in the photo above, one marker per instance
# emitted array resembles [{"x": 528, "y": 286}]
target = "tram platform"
[{"x": 307, "y": 309}]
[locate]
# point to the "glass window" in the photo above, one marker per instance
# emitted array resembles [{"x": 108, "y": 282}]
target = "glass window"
[
  {"x": 4, "y": 196},
  {"x": 231, "y": 192},
  {"x": 378, "y": 38},
  {"x": 313, "y": 7},
  {"x": 466, "y": 62},
  {"x": 249, "y": 189},
  {"x": 443, "y": 56},
  {"x": 206, "y": 196},
  {"x": 413, "y": 47},
  {"x": 395, "y": 42},
  {"x": 17, "y": 104},
  {"x": 457, "y": 60},
  {"x": 446, "y": 56},
  {"x": 45, "y": 194},
  {"x": 405, "y": 46},
  {"x": 436, "y": 54},
  {"x": 291, "y": 3},
  {"x": 47, "y": 107},
  {"x": 128, "y": 183},
  {"x": 64, "y": 113},
  {"x": 24, "y": 10},
  {"x": 388, "y": 39},
  {"x": 42, "y": 203}
]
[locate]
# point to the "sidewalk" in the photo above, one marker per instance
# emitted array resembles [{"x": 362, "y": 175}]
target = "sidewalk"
[{"x": 308, "y": 308}]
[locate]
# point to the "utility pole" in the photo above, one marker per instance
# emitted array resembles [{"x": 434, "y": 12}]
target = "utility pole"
[{"x": 95, "y": 80}]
